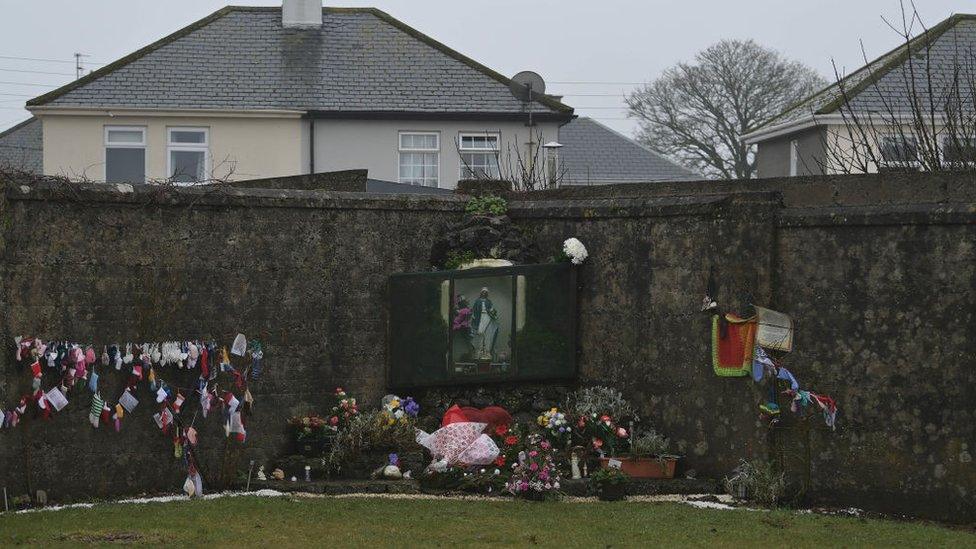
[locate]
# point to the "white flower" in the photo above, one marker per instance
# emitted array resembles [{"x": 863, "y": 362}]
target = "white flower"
[{"x": 575, "y": 250}]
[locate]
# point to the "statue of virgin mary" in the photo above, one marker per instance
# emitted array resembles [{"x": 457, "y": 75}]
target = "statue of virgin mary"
[{"x": 484, "y": 327}]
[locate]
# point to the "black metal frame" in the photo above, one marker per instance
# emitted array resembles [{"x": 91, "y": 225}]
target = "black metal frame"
[{"x": 514, "y": 374}]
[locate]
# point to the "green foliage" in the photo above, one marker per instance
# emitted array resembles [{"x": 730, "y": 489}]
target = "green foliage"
[
  {"x": 649, "y": 444},
  {"x": 457, "y": 258},
  {"x": 611, "y": 476},
  {"x": 600, "y": 401},
  {"x": 487, "y": 205},
  {"x": 369, "y": 431},
  {"x": 757, "y": 481}
]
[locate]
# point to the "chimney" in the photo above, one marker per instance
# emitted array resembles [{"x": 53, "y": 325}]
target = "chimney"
[{"x": 301, "y": 14}]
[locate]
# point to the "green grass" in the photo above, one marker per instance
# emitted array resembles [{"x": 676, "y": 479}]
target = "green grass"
[{"x": 292, "y": 522}]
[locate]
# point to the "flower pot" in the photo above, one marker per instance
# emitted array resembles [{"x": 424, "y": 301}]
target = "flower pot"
[
  {"x": 612, "y": 492},
  {"x": 650, "y": 467}
]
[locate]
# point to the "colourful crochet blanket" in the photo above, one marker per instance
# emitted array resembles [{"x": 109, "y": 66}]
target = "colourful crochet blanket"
[{"x": 732, "y": 354}]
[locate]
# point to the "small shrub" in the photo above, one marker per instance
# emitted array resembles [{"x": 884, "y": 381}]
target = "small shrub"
[
  {"x": 599, "y": 401},
  {"x": 757, "y": 481},
  {"x": 457, "y": 258},
  {"x": 649, "y": 444},
  {"x": 487, "y": 205}
]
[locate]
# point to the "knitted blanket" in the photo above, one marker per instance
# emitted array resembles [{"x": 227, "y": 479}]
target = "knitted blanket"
[{"x": 732, "y": 354}]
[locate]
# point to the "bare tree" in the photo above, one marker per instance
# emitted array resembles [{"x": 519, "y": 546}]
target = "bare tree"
[
  {"x": 527, "y": 170},
  {"x": 911, "y": 109},
  {"x": 697, "y": 112}
]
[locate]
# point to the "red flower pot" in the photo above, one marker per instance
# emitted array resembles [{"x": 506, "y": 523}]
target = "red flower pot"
[{"x": 650, "y": 467}]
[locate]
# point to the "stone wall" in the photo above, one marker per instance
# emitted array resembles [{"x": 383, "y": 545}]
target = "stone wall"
[{"x": 878, "y": 272}]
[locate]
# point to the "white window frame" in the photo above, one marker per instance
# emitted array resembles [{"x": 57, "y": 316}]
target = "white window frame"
[
  {"x": 125, "y": 145},
  {"x": 172, "y": 147},
  {"x": 436, "y": 151},
  {"x": 462, "y": 150},
  {"x": 897, "y": 163},
  {"x": 794, "y": 158},
  {"x": 946, "y": 141}
]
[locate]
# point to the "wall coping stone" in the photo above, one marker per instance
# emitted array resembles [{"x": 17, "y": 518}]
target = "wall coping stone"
[{"x": 225, "y": 195}]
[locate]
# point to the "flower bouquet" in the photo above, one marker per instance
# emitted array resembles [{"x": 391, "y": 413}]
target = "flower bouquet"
[
  {"x": 510, "y": 442},
  {"x": 311, "y": 434},
  {"x": 557, "y": 427},
  {"x": 344, "y": 410},
  {"x": 574, "y": 251},
  {"x": 395, "y": 424},
  {"x": 535, "y": 475},
  {"x": 603, "y": 434}
]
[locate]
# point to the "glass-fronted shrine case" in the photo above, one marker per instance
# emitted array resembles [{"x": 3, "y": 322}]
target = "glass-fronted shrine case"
[{"x": 479, "y": 325}]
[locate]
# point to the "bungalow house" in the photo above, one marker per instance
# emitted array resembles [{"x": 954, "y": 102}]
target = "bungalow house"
[
  {"x": 253, "y": 92},
  {"x": 908, "y": 109}
]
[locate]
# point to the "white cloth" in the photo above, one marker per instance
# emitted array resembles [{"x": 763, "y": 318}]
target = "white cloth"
[{"x": 461, "y": 442}]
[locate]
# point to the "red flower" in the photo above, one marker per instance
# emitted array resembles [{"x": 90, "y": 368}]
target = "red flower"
[
  {"x": 334, "y": 420},
  {"x": 500, "y": 461},
  {"x": 597, "y": 443},
  {"x": 501, "y": 430},
  {"x": 511, "y": 440}
]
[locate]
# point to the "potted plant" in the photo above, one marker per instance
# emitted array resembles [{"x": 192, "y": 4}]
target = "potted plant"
[
  {"x": 648, "y": 457},
  {"x": 610, "y": 484},
  {"x": 311, "y": 435}
]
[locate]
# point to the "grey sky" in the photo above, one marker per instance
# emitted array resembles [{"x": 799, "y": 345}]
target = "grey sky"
[{"x": 614, "y": 43}]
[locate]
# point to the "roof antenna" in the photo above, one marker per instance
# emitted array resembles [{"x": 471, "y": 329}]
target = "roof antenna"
[{"x": 79, "y": 68}]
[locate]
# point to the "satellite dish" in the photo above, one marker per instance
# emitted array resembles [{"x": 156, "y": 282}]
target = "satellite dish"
[{"x": 526, "y": 85}]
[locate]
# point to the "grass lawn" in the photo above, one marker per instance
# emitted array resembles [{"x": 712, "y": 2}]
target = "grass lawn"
[{"x": 289, "y": 521}]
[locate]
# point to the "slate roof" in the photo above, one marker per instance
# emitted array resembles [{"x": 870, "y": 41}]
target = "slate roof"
[
  {"x": 885, "y": 85},
  {"x": 594, "y": 154},
  {"x": 242, "y": 58},
  {"x": 21, "y": 147}
]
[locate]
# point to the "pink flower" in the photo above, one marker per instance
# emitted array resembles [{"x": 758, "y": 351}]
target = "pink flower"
[
  {"x": 621, "y": 432},
  {"x": 534, "y": 467},
  {"x": 545, "y": 445},
  {"x": 533, "y": 453},
  {"x": 524, "y": 485}
]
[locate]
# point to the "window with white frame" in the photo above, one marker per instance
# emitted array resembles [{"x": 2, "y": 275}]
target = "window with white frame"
[
  {"x": 420, "y": 158},
  {"x": 125, "y": 154},
  {"x": 959, "y": 151},
  {"x": 898, "y": 150},
  {"x": 188, "y": 153},
  {"x": 479, "y": 155}
]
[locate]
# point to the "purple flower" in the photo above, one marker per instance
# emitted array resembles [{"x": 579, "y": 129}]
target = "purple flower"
[{"x": 410, "y": 406}]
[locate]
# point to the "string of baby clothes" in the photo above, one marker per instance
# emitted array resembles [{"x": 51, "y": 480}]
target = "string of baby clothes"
[
  {"x": 764, "y": 366},
  {"x": 77, "y": 362}
]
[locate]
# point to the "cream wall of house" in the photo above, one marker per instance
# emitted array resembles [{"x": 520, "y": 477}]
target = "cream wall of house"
[
  {"x": 240, "y": 147},
  {"x": 374, "y": 144},
  {"x": 828, "y": 147}
]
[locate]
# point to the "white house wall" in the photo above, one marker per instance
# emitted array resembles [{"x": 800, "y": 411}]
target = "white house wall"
[{"x": 374, "y": 144}]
